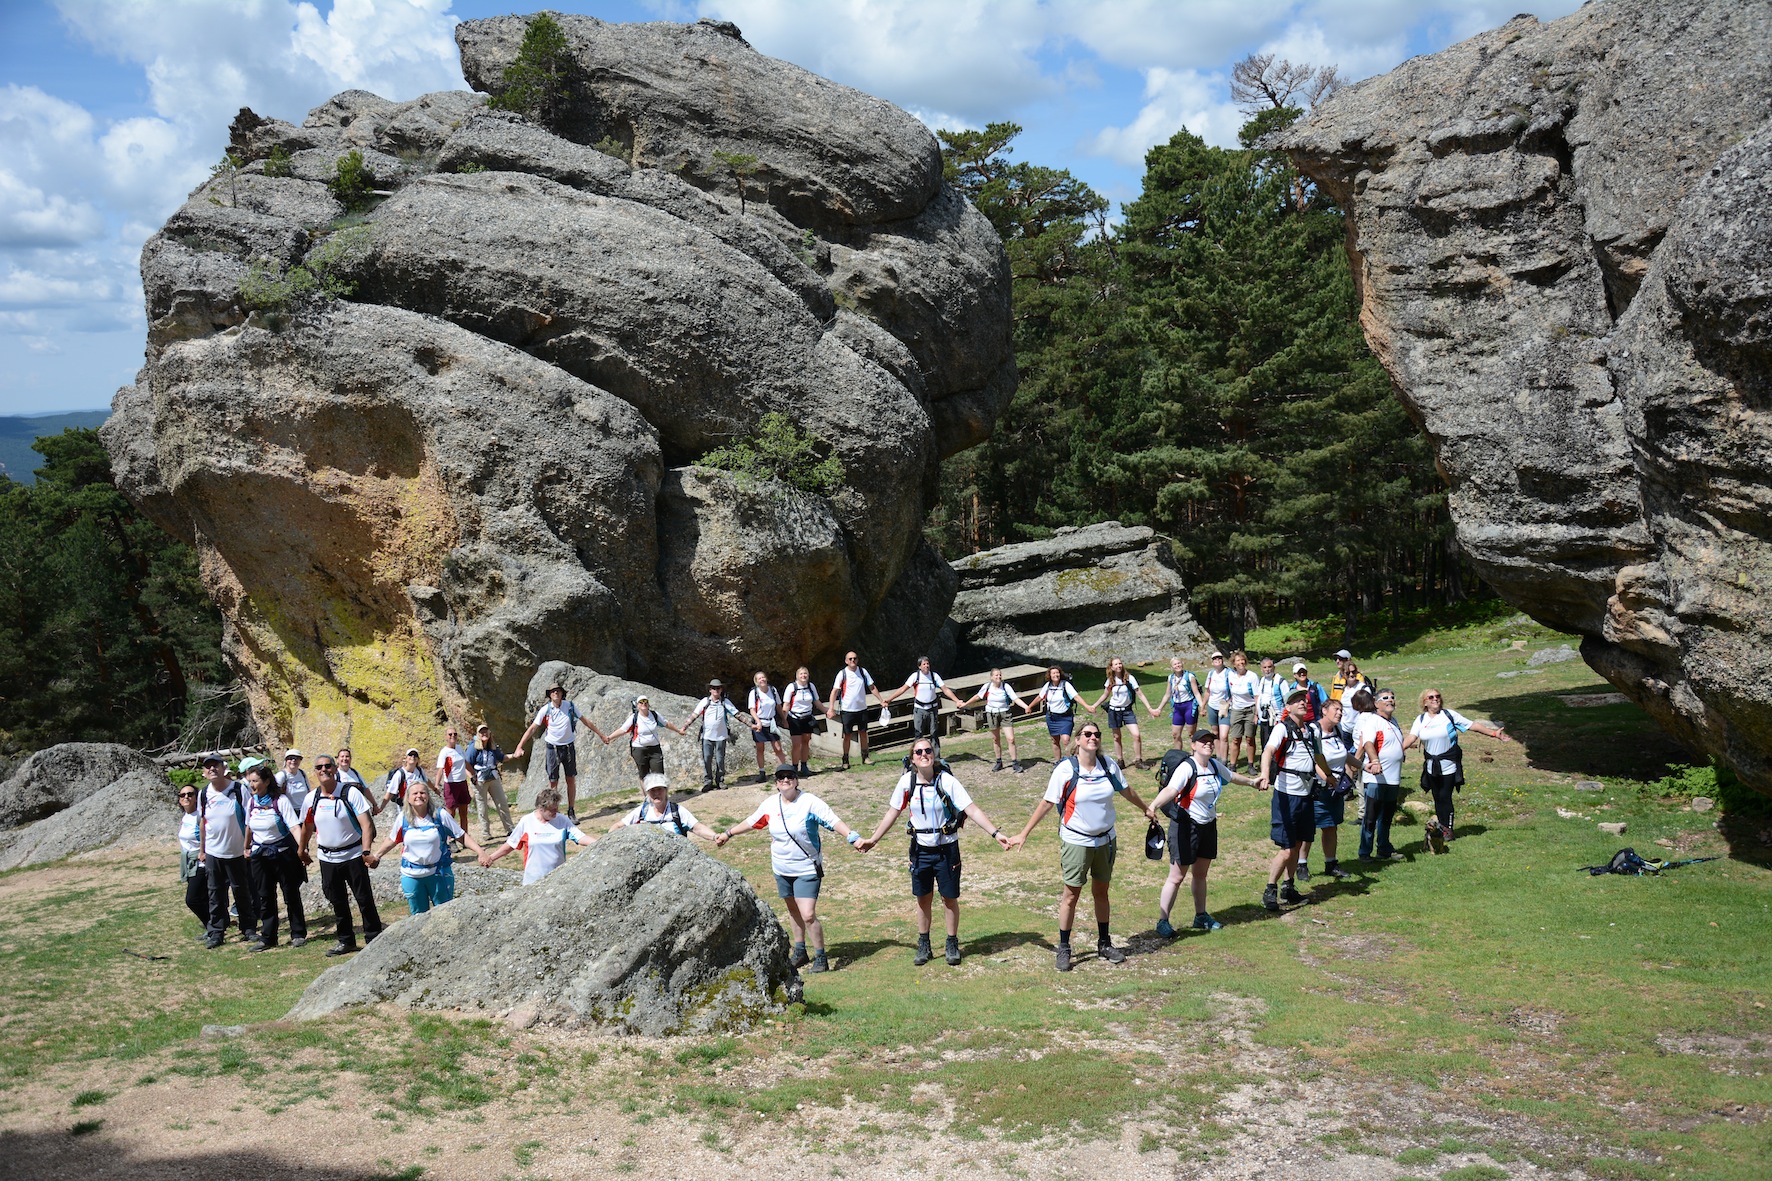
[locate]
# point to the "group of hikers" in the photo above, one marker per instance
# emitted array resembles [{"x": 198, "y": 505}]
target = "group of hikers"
[{"x": 1313, "y": 747}]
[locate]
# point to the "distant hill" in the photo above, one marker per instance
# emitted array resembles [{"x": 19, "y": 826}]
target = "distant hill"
[{"x": 17, "y": 432}]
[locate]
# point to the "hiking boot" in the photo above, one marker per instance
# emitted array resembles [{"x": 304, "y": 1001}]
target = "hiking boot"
[
  {"x": 997, "y": 766},
  {"x": 299, "y": 941},
  {"x": 845, "y": 762},
  {"x": 1105, "y": 950},
  {"x": 572, "y": 813},
  {"x": 1205, "y": 922},
  {"x": 1064, "y": 957},
  {"x": 341, "y": 948},
  {"x": 260, "y": 945},
  {"x": 1304, "y": 871},
  {"x": 1164, "y": 930},
  {"x": 805, "y": 770},
  {"x": 798, "y": 959},
  {"x": 1270, "y": 897},
  {"x": 211, "y": 944},
  {"x": 923, "y": 952},
  {"x": 819, "y": 963},
  {"x": 952, "y": 952},
  {"x": 1334, "y": 870},
  {"x": 1017, "y": 767},
  {"x": 1289, "y": 894}
]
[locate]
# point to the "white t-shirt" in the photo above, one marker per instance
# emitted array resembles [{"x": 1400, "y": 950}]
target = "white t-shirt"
[
  {"x": 851, "y": 690},
  {"x": 927, "y": 811},
  {"x": 1182, "y": 687},
  {"x": 1218, "y": 688},
  {"x": 1120, "y": 693},
  {"x": 339, "y": 839},
  {"x": 1244, "y": 687},
  {"x": 1439, "y": 731},
  {"x": 998, "y": 699},
  {"x": 559, "y": 722},
  {"x": 1295, "y": 772},
  {"x": 400, "y": 779},
  {"x": 295, "y": 786},
  {"x": 348, "y": 777},
  {"x": 1088, "y": 818},
  {"x": 925, "y": 683},
  {"x": 642, "y": 731},
  {"x": 262, "y": 815},
  {"x": 801, "y": 700},
  {"x": 1338, "y": 747},
  {"x": 422, "y": 853},
  {"x": 1199, "y": 795},
  {"x": 713, "y": 717},
  {"x": 1388, "y": 739},
  {"x": 763, "y": 704},
  {"x": 794, "y": 847},
  {"x": 224, "y": 819},
  {"x": 189, "y": 832},
  {"x": 646, "y": 814},
  {"x": 1059, "y": 698},
  {"x": 543, "y": 845},
  {"x": 452, "y": 765},
  {"x": 1269, "y": 707}
]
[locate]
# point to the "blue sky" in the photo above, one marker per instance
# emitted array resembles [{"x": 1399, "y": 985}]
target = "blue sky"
[{"x": 112, "y": 110}]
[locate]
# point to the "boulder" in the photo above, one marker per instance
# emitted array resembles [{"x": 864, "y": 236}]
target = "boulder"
[
  {"x": 1561, "y": 237},
  {"x": 139, "y": 807},
  {"x": 1080, "y": 597},
  {"x": 1561, "y": 654},
  {"x": 478, "y": 448},
  {"x": 641, "y": 933},
  {"x": 58, "y": 776}
]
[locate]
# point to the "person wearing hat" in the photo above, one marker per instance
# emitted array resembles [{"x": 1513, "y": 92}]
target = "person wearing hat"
[
  {"x": 559, "y": 719},
  {"x": 1289, "y": 764},
  {"x": 642, "y": 731},
  {"x": 337, "y": 819},
  {"x": 1335, "y": 738},
  {"x": 1190, "y": 801},
  {"x": 662, "y": 812},
  {"x": 939, "y": 806},
  {"x": 1314, "y": 694},
  {"x": 1218, "y": 703},
  {"x": 294, "y": 780},
  {"x": 716, "y": 714},
  {"x": 400, "y": 780},
  {"x": 484, "y": 757},
  {"x": 793, "y": 819},
  {"x": 221, "y": 846}
]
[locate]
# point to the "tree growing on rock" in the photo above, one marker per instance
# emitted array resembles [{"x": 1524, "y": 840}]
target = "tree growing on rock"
[{"x": 538, "y": 83}]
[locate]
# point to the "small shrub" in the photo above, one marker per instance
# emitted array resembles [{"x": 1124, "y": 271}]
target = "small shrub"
[
  {"x": 277, "y": 163},
  {"x": 610, "y": 146},
  {"x": 538, "y": 83},
  {"x": 740, "y": 165},
  {"x": 321, "y": 277},
  {"x": 352, "y": 182},
  {"x": 779, "y": 451},
  {"x": 86, "y": 1127},
  {"x": 468, "y": 167},
  {"x": 89, "y": 1098},
  {"x": 227, "y": 171}
]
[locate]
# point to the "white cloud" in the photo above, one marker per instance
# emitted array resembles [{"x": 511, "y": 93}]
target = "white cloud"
[
  {"x": 31, "y": 217},
  {"x": 1173, "y": 99}
]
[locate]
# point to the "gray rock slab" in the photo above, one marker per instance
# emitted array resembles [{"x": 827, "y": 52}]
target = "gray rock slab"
[
  {"x": 55, "y": 777},
  {"x": 1561, "y": 654},
  {"x": 140, "y": 807}
]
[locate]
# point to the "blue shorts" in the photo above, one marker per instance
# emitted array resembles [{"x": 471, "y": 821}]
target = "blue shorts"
[
  {"x": 1057, "y": 724},
  {"x": 1214, "y": 719},
  {"x": 1328, "y": 812},
  {"x": 765, "y": 735},
  {"x": 432, "y": 890},
  {"x": 935, "y": 867},
  {"x": 804, "y": 886},
  {"x": 1183, "y": 713},
  {"x": 1119, "y": 719},
  {"x": 1294, "y": 820}
]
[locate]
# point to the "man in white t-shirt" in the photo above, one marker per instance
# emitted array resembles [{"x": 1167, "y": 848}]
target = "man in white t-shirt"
[
  {"x": 939, "y": 806},
  {"x": 1082, "y": 788},
  {"x": 558, "y": 718},
  {"x": 541, "y": 836},
  {"x": 1289, "y": 764},
  {"x": 849, "y": 694},
  {"x": 337, "y": 819},
  {"x": 1379, "y": 745},
  {"x": 716, "y": 714},
  {"x": 926, "y": 688},
  {"x": 221, "y": 846}
]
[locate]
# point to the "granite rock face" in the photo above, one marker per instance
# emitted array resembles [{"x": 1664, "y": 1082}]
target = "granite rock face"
[
  {"x": 1562, "y": 241},
  {"x": 1082, "y": 596},
  {"x": 60, "y": 776},
  {"x": 139, "y": 807},
  {"x": 641, "y": 933},
  {"x": 480, "y": 454}
]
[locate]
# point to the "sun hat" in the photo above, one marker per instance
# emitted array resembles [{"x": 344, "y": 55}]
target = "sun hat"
[{"x": 656, "y": 779}]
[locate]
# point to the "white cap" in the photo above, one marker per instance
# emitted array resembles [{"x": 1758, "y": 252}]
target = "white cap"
[
  {"x": 1344, "y": 654},
  {"x": 656, "y": 779},
  {"x": 1216, "y": 655},
  {"x": 292, "y": 753},
  {"x": 1301, "y": 667}
]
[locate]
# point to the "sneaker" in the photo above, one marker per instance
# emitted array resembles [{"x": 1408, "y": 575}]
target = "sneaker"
[
  {"x": 1335, "y": 871},
  {"x": 1064, "y": 957},
  {"x": 299, "y": 941},
  {"x": 845, "y": 763},
  {"x": 1205, "y": 922},
  {"x": 997, "y": 766},
  {"x": 923, "y": 953},
  {"x": 572, "y": 813},
  {"x": 1304, "y": 871},
  {"x": 1164, "y": 930},
  {"x": 798, "y": 959},
  {"x": 820, "y": 964},
  {"x": 1107, "y": 951},
  {"x": 1393, "y": 855},
  {"x": 341, "y": 948},
  {"x": 1017, "y": 767},
  {"x": 867, "y": 760},
  {"x": 1270, "y": 898},
  {"x": 952, "y": 953},
  {"x": 1289, "y": 894}
]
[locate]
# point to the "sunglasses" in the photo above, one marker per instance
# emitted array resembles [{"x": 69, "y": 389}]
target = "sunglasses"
[
  {"x": 325, "y": 766},
  {"x": 1090, "y": 734},
  {"x": 1433, "y": 696},
  {"x": 923, "y": 750},
  {"x": 187, "y": 795}
]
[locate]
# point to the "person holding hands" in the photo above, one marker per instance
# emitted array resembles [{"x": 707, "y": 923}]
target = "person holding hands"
[
  {"x": 559, "y": 718},
  {"x": 998, "y": 697},
  {"x": 927, "y": 688},
  {"x": 849, "y": 695}
]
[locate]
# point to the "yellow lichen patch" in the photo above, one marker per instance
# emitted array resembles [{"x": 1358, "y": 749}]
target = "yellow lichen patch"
[{"x": 1092, "y": 580}]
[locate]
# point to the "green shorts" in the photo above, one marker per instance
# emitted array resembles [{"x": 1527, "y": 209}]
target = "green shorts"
[{"x": 1082, "y": 862}]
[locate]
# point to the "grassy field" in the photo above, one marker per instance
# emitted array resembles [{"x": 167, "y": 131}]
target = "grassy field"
[{"x": 1488, "y": 1013}]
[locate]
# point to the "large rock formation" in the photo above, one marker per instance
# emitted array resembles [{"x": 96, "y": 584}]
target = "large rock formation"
[
  {"x": 1080, "y": 596},
  {"x": 1562, "y": 238},
  {"x": 59, "y": 776},
  {"x": 82, "y": 796},
  {"x": 642, "y": 933},
  {"x": 483, "y": 455}
]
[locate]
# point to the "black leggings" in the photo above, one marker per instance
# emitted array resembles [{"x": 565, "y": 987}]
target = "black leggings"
[
  {"x": 197, "y": 893},
  {"x": 282, "y": 871},
  {"x": 1441, "y": 787}
]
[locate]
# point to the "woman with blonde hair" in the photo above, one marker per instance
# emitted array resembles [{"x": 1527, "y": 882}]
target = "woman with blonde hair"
[
  {"x": 1118, "y": 690},
  {"x": 1436, "y": 731},
  {"x": 423, "y": 830}
]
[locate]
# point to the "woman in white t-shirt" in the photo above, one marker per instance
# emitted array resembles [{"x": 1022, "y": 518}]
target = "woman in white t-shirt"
[
  {"x": 423, "y": 832},
  {"x": 1378, "y": 745},
  {"x": 664, "y": 813},
  {"x": 190, "y": 857},
  {"x": 1117, "y": 691},
  {"x": 764, "y": 706},
  {"x": 1182, "y": 695},
  {"x": 641, "y": 731},
  {"x": 272, "y": 857},
  {"x": 793, "y": 818},
  {"x": 1060, "y": 699},
  {"x": 541, "y": 837},
  {"x": 1218, "y": 704},
  {"x": 1190, "y": 801},
  {"x": 1436, "y": 731},
  {"x": 800, "y": 704},
  {"x": 998, "y": 698}
]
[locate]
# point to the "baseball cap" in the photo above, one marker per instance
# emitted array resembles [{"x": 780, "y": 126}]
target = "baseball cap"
[
  {"x": 292, "y": 753},
  {"x": 1343, "y": 654},
  {"x": 247, "y": 764},
  {"x": 1298, "y": 694},
  {"x": 656, "y": 779},
  {"x": 787, "y": 771},
  {"x": 1205, "y": 736},
  {"x": 1216, "y": 655},
  {"x": 208, "y": 759},
  {"x": 1301, "y": 667},
  {"x": 641, "y": 698},
  {"x": 413, "y": 751}
]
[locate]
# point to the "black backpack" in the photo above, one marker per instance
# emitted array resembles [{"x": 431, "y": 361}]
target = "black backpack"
[
  {"x": 1625, "y": 861},
  {"x": 1166, "y": 769}
]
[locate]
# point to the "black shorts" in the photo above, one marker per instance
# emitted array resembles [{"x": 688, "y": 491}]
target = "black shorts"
[
  {"x": 935, "y": 868},
  {"x": 1189, "y": 840},
  {"x": 562, "y": 758},
  {"x": 802, "y": 725},
  {"x": 648, "y": 759},
  {"x": 855, "y": 721},
  {"x": 1119, "y": 719},
  {"x": 1294, "y": 819}
]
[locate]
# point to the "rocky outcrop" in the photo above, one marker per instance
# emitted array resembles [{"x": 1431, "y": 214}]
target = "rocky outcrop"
[
  {"x": 139, "y": 807},
  {"x": 641, "y": 933},
  {"x": 57, "y": 777},
  {"x": 1562, "y": 241},
  {"x": 1081, "y": 596},
  {"x": 480, "y": 452}
]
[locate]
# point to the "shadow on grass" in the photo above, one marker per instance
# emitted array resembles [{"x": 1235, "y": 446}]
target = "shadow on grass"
[
  {"x": 94, "y": 1155},
  {"x": 1602, "y": 742}
]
